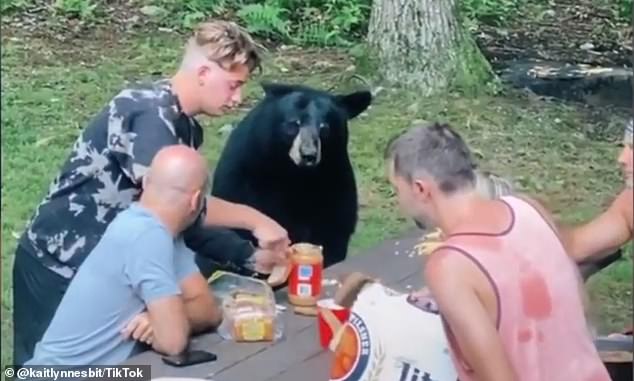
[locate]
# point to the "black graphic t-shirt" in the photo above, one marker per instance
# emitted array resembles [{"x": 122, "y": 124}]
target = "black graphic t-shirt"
[{"x": 102, "y": 175}]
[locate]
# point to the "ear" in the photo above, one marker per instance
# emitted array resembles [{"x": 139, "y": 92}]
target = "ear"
[
  {"x": 421, "y": 188},
  {"x": 276, "y": 89},
  {"x": 195, "y": 200},
  {"x": 202, "y": 71},
  {"x": 355, "y": 103}
]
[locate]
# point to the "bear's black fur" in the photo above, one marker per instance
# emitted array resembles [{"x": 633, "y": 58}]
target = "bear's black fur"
[{"x": 314, "y": 195}]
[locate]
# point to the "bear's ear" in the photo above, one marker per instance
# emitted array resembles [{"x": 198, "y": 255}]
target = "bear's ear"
[
  {"x": 276, "y": 89},
  {"x": 355, "y": 103}
]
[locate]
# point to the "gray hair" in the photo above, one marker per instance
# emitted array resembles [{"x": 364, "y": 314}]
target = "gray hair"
[
  {"x": 492, "y": 186},
  {"x": 435, "y": 150}
]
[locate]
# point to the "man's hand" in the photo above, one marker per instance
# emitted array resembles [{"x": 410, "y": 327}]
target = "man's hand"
[
  {"x": 139, "y": 328},
  {"x": 424, "y": 299},
  {"x": 265, "y": 260},
  {"x": 269, "y": 233},
  {"x": 271, "y": 236}
]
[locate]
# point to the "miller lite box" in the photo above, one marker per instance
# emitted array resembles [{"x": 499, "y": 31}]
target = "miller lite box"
[{"x": 389, "y": 338}]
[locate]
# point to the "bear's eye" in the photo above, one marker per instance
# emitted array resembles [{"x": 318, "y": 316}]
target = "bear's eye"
[
  {"x": 292, "y": 126},
  {"x": 323, "y": 125}
]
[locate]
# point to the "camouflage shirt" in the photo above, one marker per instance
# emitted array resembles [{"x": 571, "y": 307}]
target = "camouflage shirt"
[{"x": 102, "y": 175}]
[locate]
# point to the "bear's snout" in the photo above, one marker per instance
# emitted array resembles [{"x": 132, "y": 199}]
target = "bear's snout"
[
  {"x": 306, "y": 148},
  {"x": 308, "y": 151}
]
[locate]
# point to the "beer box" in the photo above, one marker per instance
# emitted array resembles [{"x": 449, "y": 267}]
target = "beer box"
[{"x": 388, "y": 338}]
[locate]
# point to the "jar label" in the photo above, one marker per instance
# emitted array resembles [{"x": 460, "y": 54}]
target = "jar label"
[
  {"x": 305, "y": 272},
  {"x": 305, "y": 289},
  {"x": 305, "y": 280}
]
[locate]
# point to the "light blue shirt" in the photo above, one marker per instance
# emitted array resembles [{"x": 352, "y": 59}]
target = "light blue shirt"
[{"x": 135, "y": 263}]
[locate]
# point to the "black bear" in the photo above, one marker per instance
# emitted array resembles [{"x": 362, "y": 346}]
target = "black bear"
[{"x": 288, "y": 158}]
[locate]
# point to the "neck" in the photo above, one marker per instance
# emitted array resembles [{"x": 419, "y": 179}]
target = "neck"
[
  {"x": 183, "y": 88},
  {"x": 454, "y": 210},
  {"x": 166, "y": 217}
]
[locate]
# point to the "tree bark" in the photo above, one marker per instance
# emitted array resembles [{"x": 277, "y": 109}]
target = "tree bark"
[{"x": 420, "y": 44}]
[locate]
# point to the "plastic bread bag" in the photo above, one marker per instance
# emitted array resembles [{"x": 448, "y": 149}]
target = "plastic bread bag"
[{"x": 249, "y": 309}]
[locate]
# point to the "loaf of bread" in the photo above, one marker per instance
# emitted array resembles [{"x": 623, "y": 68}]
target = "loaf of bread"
[
  {"x": 251, "y": 318},
  {"x": 253, "y": 328}
]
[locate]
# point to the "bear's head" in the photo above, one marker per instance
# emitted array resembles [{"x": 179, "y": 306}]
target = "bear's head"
[{"x": 308, "y": 124}]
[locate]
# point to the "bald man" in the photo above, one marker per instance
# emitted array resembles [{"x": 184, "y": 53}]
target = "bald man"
[{"x": 140, "y": 285}]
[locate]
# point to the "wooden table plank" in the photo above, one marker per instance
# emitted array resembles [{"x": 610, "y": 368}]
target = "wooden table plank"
[
  {"x": 315, "y": 366},
  {"x": 277, "y": 358},
  {"x": 229, "y": 353},
  {"x": 304, "y": 343},
  {"x": 392, "y": 261}
]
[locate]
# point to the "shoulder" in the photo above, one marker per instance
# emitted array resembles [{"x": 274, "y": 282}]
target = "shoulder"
[
  {"x": 540, "y": 207},
  {"x": 153, "y": 111},
  {"x": 448, "y": 265},
  {"x": 137, "y": 227},
  {"x": 152, "y": 101},
  {"x": 451, "y": 273},
  {"x": 534, "y": 202},
  {"x": 145, "y": 94}
]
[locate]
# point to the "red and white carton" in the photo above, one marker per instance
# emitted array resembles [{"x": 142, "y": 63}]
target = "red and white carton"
[{"x": 389, "y": 338}]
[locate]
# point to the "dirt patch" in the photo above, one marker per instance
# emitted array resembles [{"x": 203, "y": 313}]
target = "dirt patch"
[{"x": 568, "y": 31}]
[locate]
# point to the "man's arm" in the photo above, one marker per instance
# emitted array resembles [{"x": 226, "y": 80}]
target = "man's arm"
[
  {"x": 200, "y": 306},
  {"x": 223, "y": 246},
  {"x": 450, "y": 280},
  {"x": 602, "y": 235},
  {"x": 224, "y": 213},
  {"x": 599, "y": 237},
  {"x": 170, "y": 326},
  {"x": 150, "y": 270},
  {"x": 232, "y": 215}
]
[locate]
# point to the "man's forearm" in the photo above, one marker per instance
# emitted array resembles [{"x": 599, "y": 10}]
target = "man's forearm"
[
  {"x": 591, "y": 241},
  {"x": 231, "y": 215},
  {"x": 572, "y": 237},
  {"x": 602, "y": 235},
  {"x": 202, "y": 313},
  {"x": 170, "y": 325}
]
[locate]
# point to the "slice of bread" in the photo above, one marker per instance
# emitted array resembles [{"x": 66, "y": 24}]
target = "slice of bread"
[{"x": 279, "y": 275}]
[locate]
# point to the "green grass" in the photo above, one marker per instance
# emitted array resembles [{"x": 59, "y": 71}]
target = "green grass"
[{"x": 50, "y": 91}]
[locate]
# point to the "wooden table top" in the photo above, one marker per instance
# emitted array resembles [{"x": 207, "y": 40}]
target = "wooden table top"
[{"x": 297, "y": 355}]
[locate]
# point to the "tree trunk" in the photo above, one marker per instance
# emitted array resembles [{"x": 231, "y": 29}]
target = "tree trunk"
[{"x": 421, "y": 45}]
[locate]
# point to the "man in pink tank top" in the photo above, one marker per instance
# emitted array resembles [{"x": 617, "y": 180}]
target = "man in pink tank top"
[{"x": 507, "y": 290}]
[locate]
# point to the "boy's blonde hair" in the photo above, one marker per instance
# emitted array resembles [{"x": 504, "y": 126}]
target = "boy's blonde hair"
[{"x": 224, "y": 42}]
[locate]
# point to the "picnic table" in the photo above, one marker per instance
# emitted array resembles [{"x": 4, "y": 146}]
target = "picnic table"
[{"x": 297, "y": 355}]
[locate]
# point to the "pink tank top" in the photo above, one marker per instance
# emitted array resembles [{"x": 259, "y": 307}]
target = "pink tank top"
[{"x": 540, "y": 311}]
